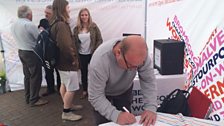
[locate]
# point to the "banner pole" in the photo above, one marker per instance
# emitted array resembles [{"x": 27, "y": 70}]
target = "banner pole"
[{"x": 145, "y": 26}]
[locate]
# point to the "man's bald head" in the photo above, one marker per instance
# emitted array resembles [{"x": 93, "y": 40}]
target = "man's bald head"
[
  {"x": 134, "y": 43},
  {"x": 134, "y": 49}
]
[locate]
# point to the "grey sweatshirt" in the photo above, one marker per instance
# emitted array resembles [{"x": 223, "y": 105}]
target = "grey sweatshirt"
[{"x": 106, "y": 78}]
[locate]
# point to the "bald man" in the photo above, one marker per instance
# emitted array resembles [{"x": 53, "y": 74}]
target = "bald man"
[{"x": 111, "y": 73}]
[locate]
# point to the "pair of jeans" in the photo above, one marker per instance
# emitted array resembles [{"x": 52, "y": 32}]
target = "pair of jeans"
[
  {"x": 32, "y": 71},
  {"x": 84, "y": 62}
]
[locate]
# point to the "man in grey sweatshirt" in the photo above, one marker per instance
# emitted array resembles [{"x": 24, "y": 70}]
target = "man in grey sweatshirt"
[{"x": 111, "y": 73}]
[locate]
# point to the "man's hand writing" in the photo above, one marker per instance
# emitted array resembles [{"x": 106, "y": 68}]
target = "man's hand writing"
[{"x": 125, "y": 118}]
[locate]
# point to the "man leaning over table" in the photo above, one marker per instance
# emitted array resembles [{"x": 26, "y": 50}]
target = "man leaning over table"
[{"x": 111, "y": 72}]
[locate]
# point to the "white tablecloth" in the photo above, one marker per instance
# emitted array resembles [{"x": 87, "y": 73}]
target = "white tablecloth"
[{"x": 174, "y": 120}]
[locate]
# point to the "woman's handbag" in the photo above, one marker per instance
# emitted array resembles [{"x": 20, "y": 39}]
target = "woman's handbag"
[{"x": 176, "y": 102}]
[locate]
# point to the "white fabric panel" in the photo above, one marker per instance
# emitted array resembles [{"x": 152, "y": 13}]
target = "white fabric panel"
[{"x": 113, "y": 17}]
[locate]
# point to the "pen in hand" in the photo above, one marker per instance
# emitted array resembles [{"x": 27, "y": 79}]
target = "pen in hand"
[
  {"x": 128, "y": 118},
  {"x": 126, "y": 110}
]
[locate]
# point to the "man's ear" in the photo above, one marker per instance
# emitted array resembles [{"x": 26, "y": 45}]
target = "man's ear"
[
  {"x": 118, "y": 52},
  {"x": 30, "y": 16}
]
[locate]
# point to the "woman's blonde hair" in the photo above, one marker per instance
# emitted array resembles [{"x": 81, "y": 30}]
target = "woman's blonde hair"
[
  {"x": 79, "y": 22},
  {"x": 59, "y": 11}
]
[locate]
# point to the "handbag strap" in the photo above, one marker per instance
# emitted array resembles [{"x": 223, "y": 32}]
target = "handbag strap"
[
  {"x": 172, "y": 93},
  {"x": 176, "y": 91},
  {"x": 185, "y": 93},
  {"x": 188, "y": 90},
  {"x": 167, "y": 98}
]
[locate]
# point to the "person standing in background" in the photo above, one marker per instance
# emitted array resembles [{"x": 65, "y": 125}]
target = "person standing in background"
[
  {"x": 44, "y": 23},
  {"x": 68, "y": 63},
  {"x": 25, "y": 34},
  {"x": 87, "y": 37},
  {"x": 49, "y": 73}
]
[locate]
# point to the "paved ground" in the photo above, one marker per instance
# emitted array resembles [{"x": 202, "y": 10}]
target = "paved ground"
[{"x": 14, "y": 111}]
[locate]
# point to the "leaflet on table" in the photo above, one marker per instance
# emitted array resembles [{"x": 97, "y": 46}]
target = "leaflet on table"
[{"x": 170, "y": 120}]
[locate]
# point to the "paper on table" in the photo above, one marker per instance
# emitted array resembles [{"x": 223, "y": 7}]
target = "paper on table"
[
  {"x": 164, "y": 119},
  {"x": 114, "y": 124},
  {"x": 158, "y": 123}
]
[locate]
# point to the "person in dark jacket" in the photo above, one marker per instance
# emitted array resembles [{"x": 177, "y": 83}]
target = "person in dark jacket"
[
  {"x": 49, "y": 73},
  {"x": 87, "y": 38}
]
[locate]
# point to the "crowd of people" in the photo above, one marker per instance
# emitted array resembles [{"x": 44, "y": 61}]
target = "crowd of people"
[{"x": 107, "y": 68}]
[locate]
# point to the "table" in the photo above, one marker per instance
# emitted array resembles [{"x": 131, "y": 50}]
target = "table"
[
  {"x": 164, "y": 119},
  {"x": 165, "y": 84}
]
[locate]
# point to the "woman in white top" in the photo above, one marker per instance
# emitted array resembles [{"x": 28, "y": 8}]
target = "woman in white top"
[{"x": 87, "y": 37}]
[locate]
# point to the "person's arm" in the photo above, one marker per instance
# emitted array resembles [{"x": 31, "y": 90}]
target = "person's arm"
[
  {"x": 99, "y": 38},
  {"x": 76, "y": 38},
  {"x": 95, "y": 36},
  {"x": 149, "y": 91},
  {"x": 148, "y": 85},
  {"x": 33, "y": 30},
  {"x": 98, "y": 77}
]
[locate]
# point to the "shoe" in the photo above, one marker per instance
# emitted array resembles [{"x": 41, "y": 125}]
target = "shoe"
[
  {"x": 47, "y": 93},
  {"x": 84, "y": 95},
  {"x": 76, "y": 107},
  {"x": 27, "y": 99},
  {"x": 71, "y": 116},
  {"x": 39, "y": 103},
  {"x": 27, "y": 102}
]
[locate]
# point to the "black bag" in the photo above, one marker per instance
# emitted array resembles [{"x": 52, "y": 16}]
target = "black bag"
[
  {"x": 47, "y": 50},
  {"x": 176, "y": 102}
]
